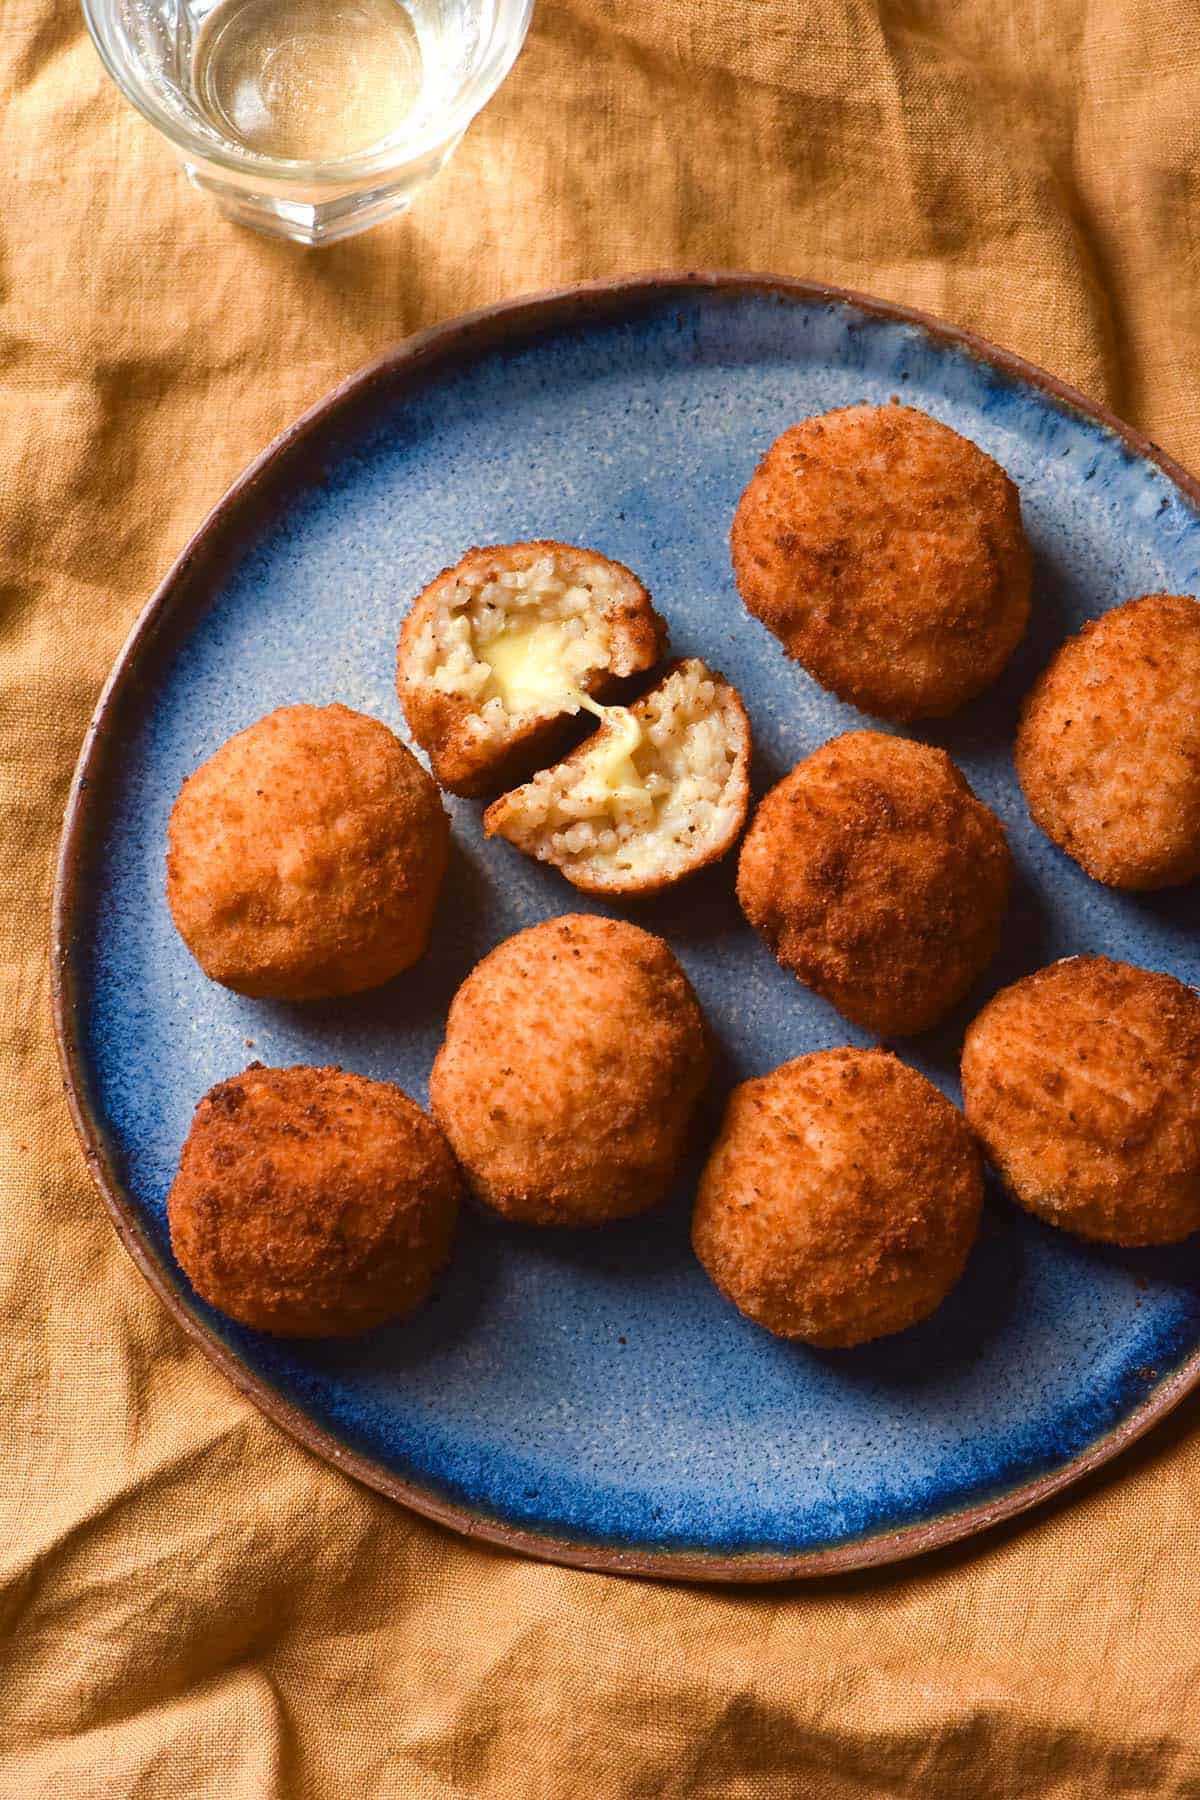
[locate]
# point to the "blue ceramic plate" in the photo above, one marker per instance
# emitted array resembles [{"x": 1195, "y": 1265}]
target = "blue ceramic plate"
[{"x": 591, "y": 1397}]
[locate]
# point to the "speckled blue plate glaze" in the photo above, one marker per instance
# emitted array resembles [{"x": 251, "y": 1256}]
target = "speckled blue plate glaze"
[{"x": 591, "y": 1396}]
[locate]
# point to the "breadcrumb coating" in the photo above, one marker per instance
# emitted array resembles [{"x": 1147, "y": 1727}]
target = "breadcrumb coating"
[
  {"x": 887, "y": 554},
  {"x": 312, "y": 1202},
  {"x": 841, "y": 1199},
  {"x": 877, "y": 877},
  {"x": 1083, "y": 1083},
  {"x": 573, "y": 1059},
  {"x": 305, "y": 856},
  {"x": 1108, "y": 752}
]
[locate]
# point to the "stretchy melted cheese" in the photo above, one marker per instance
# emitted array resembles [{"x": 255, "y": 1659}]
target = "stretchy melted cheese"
[
  {"x": 612, "y": 773},
  {"x": 657, "y": 792},
  {"x": 527, "y": 672}
]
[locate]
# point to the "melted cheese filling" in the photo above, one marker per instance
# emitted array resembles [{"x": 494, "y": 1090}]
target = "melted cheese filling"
[
  {"x": 688, "y": 748},
  {"x": 527, "y": 672},
  {"x": 527, "y": 669}
]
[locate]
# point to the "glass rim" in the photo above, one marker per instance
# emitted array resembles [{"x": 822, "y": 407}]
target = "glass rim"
[{"x": 509, "y": 29}]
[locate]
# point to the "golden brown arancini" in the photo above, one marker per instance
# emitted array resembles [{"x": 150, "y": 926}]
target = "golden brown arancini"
[
  {"x": 657, "y": 793},
  {"x": 878, "y": 878},
  {"x": 573, "y": 1060},
  {"x": 306, "y": 856},
  {"x": 1083, "y": 1083},
  {"x": 841, "y": 1198},
  {"x": 887, "y": 554},
  {"x": 496, "y": 652},
  {"x": 1108, "y": 752},
  {"x": 312, "y": 1203}
]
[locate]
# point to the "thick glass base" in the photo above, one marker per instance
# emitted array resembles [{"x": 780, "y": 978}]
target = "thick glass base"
[{"x": 314, "y": 221}]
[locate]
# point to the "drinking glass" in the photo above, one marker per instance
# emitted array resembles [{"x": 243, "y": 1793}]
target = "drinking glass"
[{"x": 309, "y": 119}]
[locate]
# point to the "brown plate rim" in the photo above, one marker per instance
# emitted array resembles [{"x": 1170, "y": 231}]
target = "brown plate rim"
[{"x": 525, "y": 318}]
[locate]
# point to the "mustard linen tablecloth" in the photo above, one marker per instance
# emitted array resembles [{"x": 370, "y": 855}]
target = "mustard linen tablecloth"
[{"x": 190, "y": 1605}]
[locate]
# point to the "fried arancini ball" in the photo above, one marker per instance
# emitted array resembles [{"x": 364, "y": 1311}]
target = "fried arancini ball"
[
  {"x": 574, "y": 1056},
  {"x": 878, "y": 878},
  {"x": 1083, "y": 1083},
  {"x": 658, "y": 792},
  {"x": 1108, "y": 752},
  {"x": 841, "y": 1198},
  {"x": 306, "y": 856},
  {"x": 887, "y": 554},
  {"x": 311, "y": 1202},
  {"x": 498, "y": 651}
]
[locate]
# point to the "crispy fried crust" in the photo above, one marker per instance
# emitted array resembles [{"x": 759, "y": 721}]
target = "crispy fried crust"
[
  {"x": 841, "y": 1199},
  {"x": 469, "y": 766},
  {"x": 1108, "y": 752},
  {"x": 887, "y": 554},
  {"x": 878, "y": 878},
  {"x": 306, "y": 855},
  {"x": 504, "y": 817},
  {"x": 312, "y": 1203},
  {"x": 574, "y": 1057},
  {"x": 1083, "y": 1082}
]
